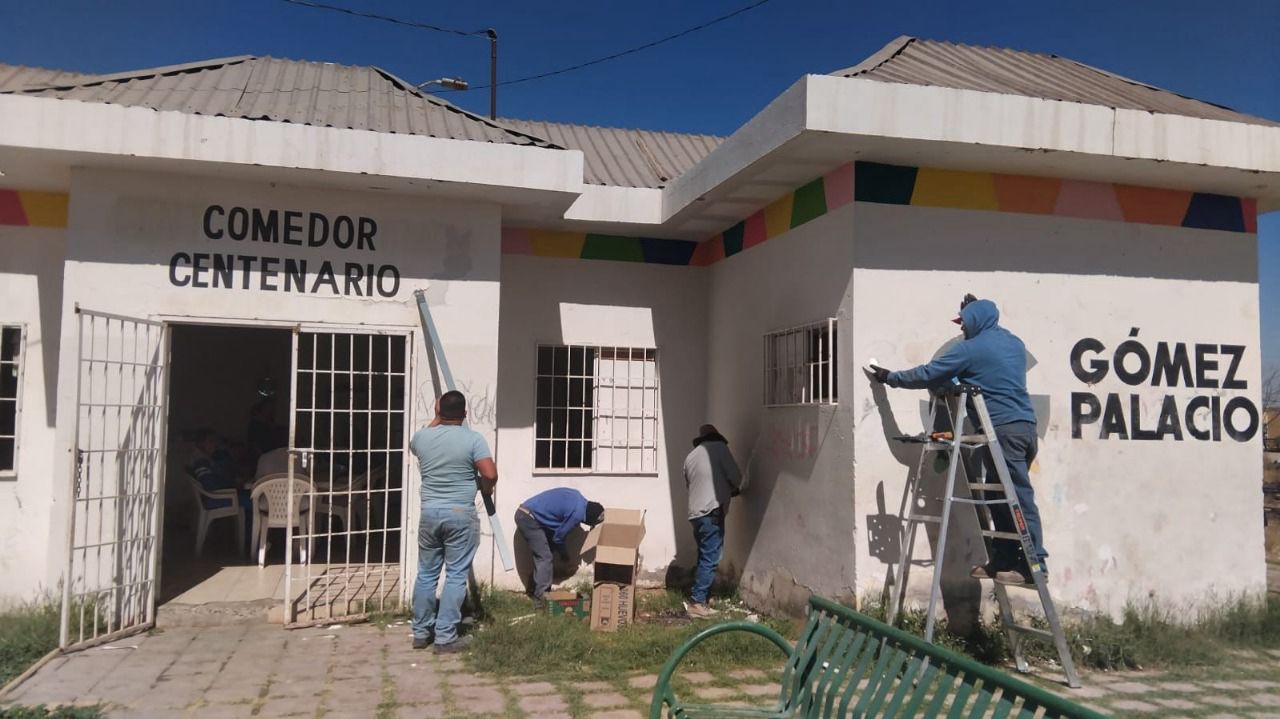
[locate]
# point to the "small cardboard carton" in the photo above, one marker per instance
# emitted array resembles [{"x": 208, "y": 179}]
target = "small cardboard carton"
[
  {"x": 615, "y": 543},
  {"x": 567, "y": 603}
]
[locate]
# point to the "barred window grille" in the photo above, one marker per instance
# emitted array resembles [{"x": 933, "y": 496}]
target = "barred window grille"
[
  {"x": 596, "y": 409},
  {"x": 800, "y": 365},
  {"x": 11, "y": 360}
]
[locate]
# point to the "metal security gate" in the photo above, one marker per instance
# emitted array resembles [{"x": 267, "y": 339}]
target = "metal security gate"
[
  {"x": 117, "y": 473},
  {"x": 348, "y": 435}
]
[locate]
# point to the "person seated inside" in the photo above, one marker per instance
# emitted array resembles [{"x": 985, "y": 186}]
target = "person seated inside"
[
  {"x": 263, "y": 434},
  {"x": 545, "y": 520},
  {"x": 214, "y": 467}
]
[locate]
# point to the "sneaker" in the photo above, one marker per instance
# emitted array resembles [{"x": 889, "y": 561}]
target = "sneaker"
[
  {"x": 984, "y": 571},
  {"x": 421, "y": 642},
  {"x": 1015, "y": 577},
  {"x": 698, "y": 610},
  {"x": 453, "y": 647},
  {"x": 539, "y": 606}
]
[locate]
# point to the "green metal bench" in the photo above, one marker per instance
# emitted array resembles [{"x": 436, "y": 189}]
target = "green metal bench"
[{"x": 849, "y": 665}]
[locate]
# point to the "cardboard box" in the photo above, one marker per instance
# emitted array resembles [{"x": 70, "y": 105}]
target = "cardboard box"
[
  {"x": 567, "y": 603},
  {"x": 614, "y": 546},
  {"x": 613, "y": 606}
]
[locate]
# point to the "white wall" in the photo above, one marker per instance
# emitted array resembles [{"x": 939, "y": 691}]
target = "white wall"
[
  {"x": 792, "y": 532},
  {"x": 124, "y": 229},
  {"x": 1176, "y": 520},
  {"x": 572, "y": 301},
  {"x": 31, "y": 294}
]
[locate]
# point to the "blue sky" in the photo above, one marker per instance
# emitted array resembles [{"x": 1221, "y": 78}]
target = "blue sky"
[{"x": 1223, "y": 51}]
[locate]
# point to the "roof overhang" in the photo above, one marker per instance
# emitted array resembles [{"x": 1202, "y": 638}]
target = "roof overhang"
[
  {"x": 41, "y": 139},
  {"x": 822, "y": 122}
]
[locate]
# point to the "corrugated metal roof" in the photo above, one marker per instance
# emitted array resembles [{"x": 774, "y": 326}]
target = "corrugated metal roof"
[
  {"x": 625, "y": 158},
  {"x": 1015, "y": 72},
  {"x": 307, "y": 93},
  {"x": 17, "y": 77}
]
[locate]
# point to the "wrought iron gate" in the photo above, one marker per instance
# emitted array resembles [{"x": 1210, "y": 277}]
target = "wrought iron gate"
[
  {"x": 116, "y": 477},
  {"x": 348, "y": 435}
]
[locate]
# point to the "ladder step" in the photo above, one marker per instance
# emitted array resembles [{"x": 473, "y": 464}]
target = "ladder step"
[
  {"x": 924, "y": 518},
  {"x": 966, "y": 500},
  {"x": 985, "y": 487},
  {"x": 1001, "y": 535},
  {"x": 1034, "y": 631}
]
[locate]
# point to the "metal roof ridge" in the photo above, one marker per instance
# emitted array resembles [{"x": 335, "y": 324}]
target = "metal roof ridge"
[
  {"x": 1139, "y": 83},
  {"x": 414, "y": 90},
  {"x": 891, "y": 50},
  {"x": 614, "y": 127},
  {"x": 142, "y": 73}
]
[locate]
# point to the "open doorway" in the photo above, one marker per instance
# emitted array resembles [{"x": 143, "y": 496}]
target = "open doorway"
[
  {"x": 228, "y": 406},
  {"x": 234, "y": 392}
]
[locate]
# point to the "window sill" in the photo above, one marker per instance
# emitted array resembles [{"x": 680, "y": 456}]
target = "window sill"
[
  {"x": 802, "y": 404},
  {"x": 588, "y": 473}
]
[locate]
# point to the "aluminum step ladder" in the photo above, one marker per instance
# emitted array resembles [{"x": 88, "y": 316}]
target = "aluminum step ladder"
[{"x": 954, "y": 444}]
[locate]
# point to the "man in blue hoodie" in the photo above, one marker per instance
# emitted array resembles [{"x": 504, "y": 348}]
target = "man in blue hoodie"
[
  {"x": 995, "y": 360},
  {"x": 545, "y": 521}
]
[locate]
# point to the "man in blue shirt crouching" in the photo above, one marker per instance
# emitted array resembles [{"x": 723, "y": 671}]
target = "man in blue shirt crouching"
[{"x": 545, "y": 520}]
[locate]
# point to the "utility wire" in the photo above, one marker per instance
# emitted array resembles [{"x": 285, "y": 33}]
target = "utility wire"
[
  {"x": 542, "y": 75},
  {"x": 629, "y": 51},
  {"x": 384, "y": 18}
]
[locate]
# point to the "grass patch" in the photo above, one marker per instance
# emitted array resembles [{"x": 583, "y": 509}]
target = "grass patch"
[
  {"x": 27, "y": 632},
  {"x": 562, "y": 647},
  {"x": 1147, "y": 636},
  {"x": 43, "y": 712},
  {"x": 1153, "y": 636}
]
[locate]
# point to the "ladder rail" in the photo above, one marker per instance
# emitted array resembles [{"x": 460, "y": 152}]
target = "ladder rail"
[
  {"x": 935, "y": 591},
  {"x": 908, "y": 537},
  {"x": 1038, "y": 574}
]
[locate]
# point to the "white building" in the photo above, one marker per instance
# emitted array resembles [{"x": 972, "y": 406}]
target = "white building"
[{"x": 173, "y": 237}]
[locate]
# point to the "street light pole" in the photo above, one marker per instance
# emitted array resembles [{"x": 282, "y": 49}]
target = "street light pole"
[{"x": 493, "y": 73}]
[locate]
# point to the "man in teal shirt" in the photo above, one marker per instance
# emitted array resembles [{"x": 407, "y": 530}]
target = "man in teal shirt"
[{"x": 450, "y": 457}]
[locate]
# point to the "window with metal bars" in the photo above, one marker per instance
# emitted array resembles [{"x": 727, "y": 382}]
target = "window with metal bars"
[
  {"x": 800, "y": 365},
  {"x": 596, "y": 409},
  {"x": 11, "y": 360}
]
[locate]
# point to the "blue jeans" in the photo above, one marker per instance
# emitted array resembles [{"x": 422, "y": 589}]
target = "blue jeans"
[
  {"x": 708, "y": 530},
  {"x": 447, "y": 540},
  {"x": 1019, "y": 444}
]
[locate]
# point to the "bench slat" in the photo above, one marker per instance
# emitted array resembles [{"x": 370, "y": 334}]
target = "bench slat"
[
  {"x": 837, "y": 670},
  {"x": 922, "y": 690},
  {"x": 940, "y": 694},
  {"x": 914, "y": 665},
  {"x": 961, "y": 698},
  {"x": 981, "y": 701},
  {"x": 791, "y": 670},
  {"x": 807, "y": 660},
  {"x": 866, "y": 655},
  {"x": 1003, "y": 707},
  {"x": 881, "y": 681}
]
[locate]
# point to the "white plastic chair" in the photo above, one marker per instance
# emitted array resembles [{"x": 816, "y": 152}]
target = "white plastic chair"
[
  {"x": 275, "y": 461},
  {"x": 359, "y": 496},
  {"x": 207, "y": 516},
  {"x": 271, "y": 510}
]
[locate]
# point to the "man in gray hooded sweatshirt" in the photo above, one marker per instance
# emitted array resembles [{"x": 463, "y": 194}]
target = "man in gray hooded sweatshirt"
[{"x": 712, "y": 477}]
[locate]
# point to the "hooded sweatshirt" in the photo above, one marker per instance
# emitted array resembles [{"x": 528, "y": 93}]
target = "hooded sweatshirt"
[
  {"x": 710, "y": 474},
  {"x": 990, "y": 357}
]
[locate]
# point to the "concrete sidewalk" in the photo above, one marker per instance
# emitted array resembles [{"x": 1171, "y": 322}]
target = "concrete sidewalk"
[{"x": 261, "y": 670}]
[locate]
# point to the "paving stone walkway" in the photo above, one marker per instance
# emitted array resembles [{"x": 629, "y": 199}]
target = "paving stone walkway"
[{"x": 370, "y": 671}]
